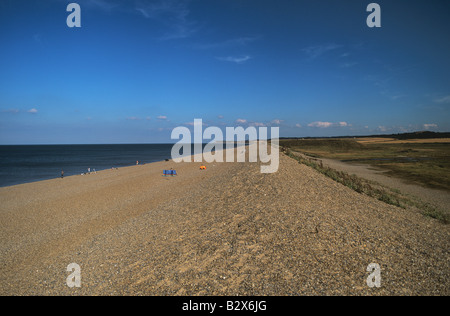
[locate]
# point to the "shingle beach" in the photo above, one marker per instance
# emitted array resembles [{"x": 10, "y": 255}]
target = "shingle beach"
[{"x": 226, "y": 230}]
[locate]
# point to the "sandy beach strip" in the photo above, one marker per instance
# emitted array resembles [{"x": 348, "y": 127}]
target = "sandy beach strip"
[{"x": 226, "y": 230}]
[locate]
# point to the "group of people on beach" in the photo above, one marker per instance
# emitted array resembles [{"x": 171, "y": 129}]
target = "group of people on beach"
[
  {"x": 94, "y": 171},
  {"x": 88, "y": 172}
]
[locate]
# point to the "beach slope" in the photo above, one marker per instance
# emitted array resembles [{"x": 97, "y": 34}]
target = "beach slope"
[{"x": 226, "y": 230}]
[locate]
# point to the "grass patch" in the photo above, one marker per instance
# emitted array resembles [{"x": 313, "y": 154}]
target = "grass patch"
[
  {"x": 352, "y": 181},
  {"x": 421, "y": 163},
  {"x": 436, "y": 214},
  {"x": 369, "y": 188}
]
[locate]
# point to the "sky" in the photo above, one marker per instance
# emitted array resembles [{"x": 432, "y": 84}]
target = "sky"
[{"x": 137, "y": 69}]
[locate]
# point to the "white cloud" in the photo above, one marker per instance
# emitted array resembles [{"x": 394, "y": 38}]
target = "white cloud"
[
  {"x": 445, "y": 99},
  {"x": 196, "y": 123},
  {"x": 314, "y": 52},
  {"x": 328, "y": 124},
  {"x": 236, "y": 60},
  {"x": 14, "y": 111},
  {"x": 257, "y": 124},
  {"x": 298, "y": 125},
  {"x": 235, "y": 42},
  {"x": 241, "y": 121},
  {"x": 430, "y": 126},
  {"x": 277, "y": 122},
  {"x": 104, "y": 5},
  {"x": 133, "y": 118},
  {"x": 32, "y": 111},
  {"x": 174, "y": 15},
  {"x": 348, "y": 64},
  {"x": 162, "y": 118},
  {"x": 398, "y": 96},
  {"x": 144, "y": 13},
  {"x": 320, "y": 124}
]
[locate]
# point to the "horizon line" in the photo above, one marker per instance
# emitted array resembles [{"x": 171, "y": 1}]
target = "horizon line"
[{"x": 284, "y": 137}]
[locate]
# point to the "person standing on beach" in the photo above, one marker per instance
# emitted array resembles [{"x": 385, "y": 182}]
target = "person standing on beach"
[{"x": 62, "y": 174}]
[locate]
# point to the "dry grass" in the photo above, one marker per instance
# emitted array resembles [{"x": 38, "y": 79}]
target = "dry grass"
[
  {"x": 376, "y": 140},
  {"x": 423, "y": 162},
  {"x": 372, "y": 189}
]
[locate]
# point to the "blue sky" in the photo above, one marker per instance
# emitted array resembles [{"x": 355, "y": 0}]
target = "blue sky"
[{"x": 136, "y": 69}]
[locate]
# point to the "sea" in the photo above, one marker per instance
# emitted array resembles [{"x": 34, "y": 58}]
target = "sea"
[{"x": 28, "y": 163}]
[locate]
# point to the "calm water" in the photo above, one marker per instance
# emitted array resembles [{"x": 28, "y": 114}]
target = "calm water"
[{"x": 22, "y": 164}]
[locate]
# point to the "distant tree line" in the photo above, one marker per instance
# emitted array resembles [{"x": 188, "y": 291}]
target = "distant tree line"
[{"x": 402, "y": 136}]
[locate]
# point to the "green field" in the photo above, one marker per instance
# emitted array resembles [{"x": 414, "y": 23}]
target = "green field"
[{"x": 423, "y": 162}]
